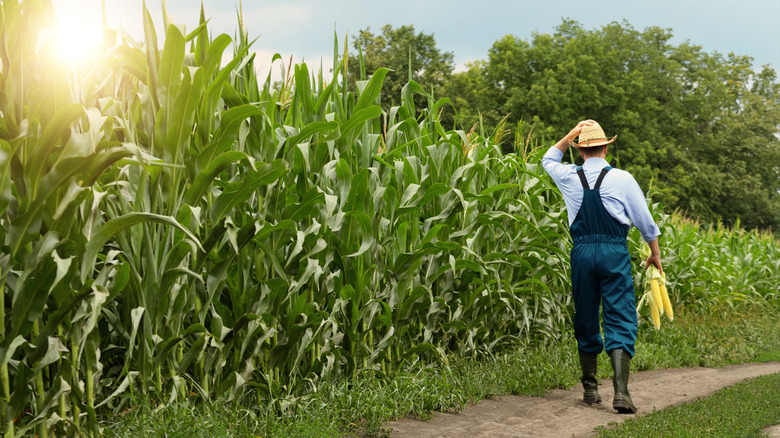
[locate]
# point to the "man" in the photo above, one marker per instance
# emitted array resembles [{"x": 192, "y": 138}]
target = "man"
[{"x": 602, "y": 203}]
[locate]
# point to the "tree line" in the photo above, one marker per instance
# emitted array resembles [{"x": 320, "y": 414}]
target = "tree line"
[{"x": 702, "y": 130}]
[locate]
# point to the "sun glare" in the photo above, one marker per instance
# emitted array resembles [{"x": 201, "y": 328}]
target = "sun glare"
[{"x": 78, "y": 37}]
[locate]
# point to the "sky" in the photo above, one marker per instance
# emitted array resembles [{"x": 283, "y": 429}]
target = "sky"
[{"x": 304, "y": 29}]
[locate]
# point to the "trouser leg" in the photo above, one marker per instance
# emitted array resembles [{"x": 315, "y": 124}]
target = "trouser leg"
[
  {"x": 587, "y": 299},
  {"x": 618, "y": 298}
]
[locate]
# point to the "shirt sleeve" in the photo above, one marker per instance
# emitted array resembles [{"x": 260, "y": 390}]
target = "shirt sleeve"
[
  {"x": 639, "y": 213},
  {"x": 552, "y": 164}
]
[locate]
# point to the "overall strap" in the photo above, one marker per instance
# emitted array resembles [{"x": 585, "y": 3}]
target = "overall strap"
[
  {"x": 601, "y": 177},
  {"x": 584, "y": 180}
]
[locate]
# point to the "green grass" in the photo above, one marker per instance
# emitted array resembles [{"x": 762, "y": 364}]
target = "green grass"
[
  {"x": 742, "y": 410},
  {"x": 720, "y": 337},
  {"x": 769, "y": 356},
  {"x": 223, "y": 421},
  {"x": 363, "y": 405}
]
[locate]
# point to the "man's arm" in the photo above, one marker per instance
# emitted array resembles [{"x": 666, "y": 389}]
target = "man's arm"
[
  {"x": 639, "y": 214},
  {"x": 655, "y": 256}
]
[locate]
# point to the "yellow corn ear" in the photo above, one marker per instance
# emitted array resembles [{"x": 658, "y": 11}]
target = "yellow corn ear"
[
  {"x": 657, "y": 300},
  {"x": 656, "y": 316},
  {"x": 667, "y": 302}
]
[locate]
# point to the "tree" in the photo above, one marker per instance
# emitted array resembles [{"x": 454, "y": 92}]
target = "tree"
[
  {"x": 700, "y": 128},
  {"x": 470, "y": 97},
  {"x": 410, "y": 56}
]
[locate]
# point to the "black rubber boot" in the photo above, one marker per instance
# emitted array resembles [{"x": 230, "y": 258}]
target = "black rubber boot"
[
  {"x": 622, "y": 401},
  {"x": 589, "y": 364}
]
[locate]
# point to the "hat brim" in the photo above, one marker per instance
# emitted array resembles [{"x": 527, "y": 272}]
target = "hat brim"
[{"x": 593, "y": 143}]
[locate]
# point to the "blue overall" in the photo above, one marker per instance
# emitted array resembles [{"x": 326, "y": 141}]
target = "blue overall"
[{"x": 601, "y": 275}]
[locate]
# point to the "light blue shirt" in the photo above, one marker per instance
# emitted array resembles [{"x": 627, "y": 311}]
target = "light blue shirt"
[{"x": 620, "y": 193}]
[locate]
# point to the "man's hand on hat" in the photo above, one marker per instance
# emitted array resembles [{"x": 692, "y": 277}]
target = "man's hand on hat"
[
  {"x": 585, "y": 123},
  {"x": 563, "y": 144},
  {"x": 575, "y": 132}
]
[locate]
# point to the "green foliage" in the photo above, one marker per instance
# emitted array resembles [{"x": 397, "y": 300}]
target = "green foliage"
[
  {"x": 700, "y": 128},
  {"x": 411, "y": 56},
  {"x": 471, "y": 95},
  {"x": 186, "y": 418},
  {"x": 769, "y": 356},
  {"x": 363, "y": 404},
  {"x": 715, "y": 338},
  {"x": 717, "y": 266},
  {"x": 181, "y": 231}
]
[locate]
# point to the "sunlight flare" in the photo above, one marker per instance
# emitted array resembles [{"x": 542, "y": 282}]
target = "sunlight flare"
[{"x": 78, "y": 37}]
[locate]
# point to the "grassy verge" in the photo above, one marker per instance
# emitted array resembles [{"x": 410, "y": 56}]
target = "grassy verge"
[
  {"x": 363, "y": 405},
  {"x": 742, "y": 410},
  {"x": 723, "y": 336}
]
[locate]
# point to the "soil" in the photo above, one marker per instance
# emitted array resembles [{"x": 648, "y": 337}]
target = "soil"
[
  {"x": 773, "y": 432},
  {"x": 562, "y": 413}
]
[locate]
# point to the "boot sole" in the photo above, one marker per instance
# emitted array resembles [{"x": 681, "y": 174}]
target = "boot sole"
[
  {"x": 591, "y": 401},
  {"x": 624, "y": 408}
]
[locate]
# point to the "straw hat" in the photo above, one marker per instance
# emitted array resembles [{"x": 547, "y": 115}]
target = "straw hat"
[{"x": 592, "y": 136}]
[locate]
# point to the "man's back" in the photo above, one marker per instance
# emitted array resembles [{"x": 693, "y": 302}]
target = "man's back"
[{"x": 620, "y": 193}]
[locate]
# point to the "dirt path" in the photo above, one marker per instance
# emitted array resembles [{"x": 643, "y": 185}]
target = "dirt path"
[{"x": 563, "y": 414}]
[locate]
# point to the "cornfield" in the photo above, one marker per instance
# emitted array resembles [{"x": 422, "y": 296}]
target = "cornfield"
[{"x": 174, "y": 227}]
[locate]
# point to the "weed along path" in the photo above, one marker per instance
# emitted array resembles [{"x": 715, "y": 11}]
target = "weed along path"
[{"x": 561, "y": 413}]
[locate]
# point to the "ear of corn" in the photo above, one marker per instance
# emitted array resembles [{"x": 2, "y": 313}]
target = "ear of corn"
[
  {"x": 655, "y": 314},
  {"x": 656, "y": 296},
  {"x": 665, "y": 297},
  {"x": 655, "y": 293}
]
